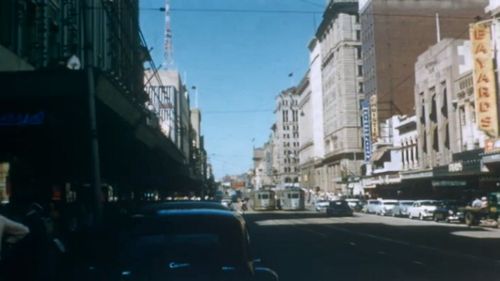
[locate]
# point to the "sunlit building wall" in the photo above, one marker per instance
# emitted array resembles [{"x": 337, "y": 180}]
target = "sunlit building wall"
[
  {"x": 342, "y": 89},
  {"x": 286, "y": 137},
  {"x": 436, "y": 71}
]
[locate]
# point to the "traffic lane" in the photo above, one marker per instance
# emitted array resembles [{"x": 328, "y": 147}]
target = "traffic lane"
[
  {"x": 454, "y": 238},
  {"x": 298, "y": 250}
]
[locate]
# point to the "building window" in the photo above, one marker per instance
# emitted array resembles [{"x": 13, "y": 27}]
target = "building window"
[
  {"x": 358, "y": 35},
  {"x": 461, "y": 115},
  {"x": 360, "y": 70},
  {"x": 360, "y": 87},
  {"x": 447, "y": 137},
  {"x": 358, "y": 52},
  {"x": 444, "y": 108},
  {"x": 435, "y": 139},
  {"x": 433, "y": 114}
]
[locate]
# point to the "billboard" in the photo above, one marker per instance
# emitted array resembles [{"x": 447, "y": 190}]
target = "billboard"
[
  {"x": 485, "y": 95},
  {"x": 367, "y": 141}
]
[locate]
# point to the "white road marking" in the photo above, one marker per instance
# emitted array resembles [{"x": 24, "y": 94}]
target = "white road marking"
[
  {"x": 352, "y": 243},
  {"x": 418, "y": 262}
]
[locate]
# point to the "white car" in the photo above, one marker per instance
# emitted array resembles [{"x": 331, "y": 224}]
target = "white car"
[
  {"x": 422, "y": 209},
  {"x": 385, "y": 207},
  {"x": 321, "y": 205},
  {"x": 371, "y": 206}
]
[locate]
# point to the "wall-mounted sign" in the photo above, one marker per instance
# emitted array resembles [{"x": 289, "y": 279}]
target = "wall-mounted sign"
[
  {"x": 484, "y": 79},
  {"x": 449, "y": 183},
  {"x": 367, "y": 141},
  {"x": 455, "y": 167},
  {"x": 21, "y": 119},
  {"x": 374, "y": 117}
]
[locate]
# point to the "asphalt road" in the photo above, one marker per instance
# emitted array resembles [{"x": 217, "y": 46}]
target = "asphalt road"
[{"x": 311, "y": 246}]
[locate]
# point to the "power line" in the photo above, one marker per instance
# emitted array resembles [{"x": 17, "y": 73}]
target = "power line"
[{"x": 282, "y": 11}]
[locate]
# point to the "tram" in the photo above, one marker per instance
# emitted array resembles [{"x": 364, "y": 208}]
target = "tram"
[
  {"x": 291, "y": 199},
  {"x": 263, "y": 200}
]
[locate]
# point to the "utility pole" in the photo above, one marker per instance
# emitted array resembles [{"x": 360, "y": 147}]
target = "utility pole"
[{"x": 95, "y": 169}]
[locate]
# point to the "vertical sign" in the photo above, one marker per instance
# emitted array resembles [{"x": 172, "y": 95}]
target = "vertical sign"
[
  {"x": 367, "y": 141},
  {"x": 484, "y": 79},
  {"x": 374, "y": 117}
]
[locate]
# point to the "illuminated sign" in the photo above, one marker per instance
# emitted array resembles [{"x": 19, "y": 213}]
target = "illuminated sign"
[
  {"x": 367, "y": 141},
  {"x": 22, "y": 119},
  {"x": 484, "y": 79},
  {"x": 374, "y": 117}
]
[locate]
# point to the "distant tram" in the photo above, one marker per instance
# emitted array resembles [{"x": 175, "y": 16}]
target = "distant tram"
[
  {"x": 291, "y": 199},
  {"x": 263, "y": 200}
]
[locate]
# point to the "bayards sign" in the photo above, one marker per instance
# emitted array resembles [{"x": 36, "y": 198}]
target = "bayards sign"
[{"x": 484, "y": 78}]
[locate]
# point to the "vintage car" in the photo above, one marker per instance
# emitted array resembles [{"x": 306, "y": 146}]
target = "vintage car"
[{"x": 188, "y": 241}]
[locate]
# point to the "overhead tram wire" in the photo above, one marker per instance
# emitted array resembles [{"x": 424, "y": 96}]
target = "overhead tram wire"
[{"x": 279, "y": 11}]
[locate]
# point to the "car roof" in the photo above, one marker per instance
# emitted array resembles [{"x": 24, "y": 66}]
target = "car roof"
[
  {"x": 389, "y": 200},
  {"x": 182, "y": 205}
]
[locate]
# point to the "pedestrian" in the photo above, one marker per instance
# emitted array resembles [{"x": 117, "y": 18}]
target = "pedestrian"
[
  {"x": 484, "y": 202},
  {"x": 12, "y": 231},
  {"x": 476, "y": 203}
]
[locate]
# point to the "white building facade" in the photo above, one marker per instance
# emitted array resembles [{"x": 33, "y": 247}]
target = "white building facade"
[
  {"x": 286, "y": 137},
  {"x": 342, "y": 78}
]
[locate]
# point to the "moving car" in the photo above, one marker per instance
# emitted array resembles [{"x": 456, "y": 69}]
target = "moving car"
[
  {"x": 321, "y": 205},
  {"x": 450, "y": 211},
  {"x": 338, "y": 208},
  {"x": 422, "y": 209},
  {"x": 385, "y": 207},
  {"x": 189, "y": 241},
  {"x": 401, "y": 208}
]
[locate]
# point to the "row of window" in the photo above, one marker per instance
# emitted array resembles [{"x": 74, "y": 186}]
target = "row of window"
[
  {"x": 294, "y": 135},
  {"x": 294, "y": 144},
  {"x": 289, "y": 170}
]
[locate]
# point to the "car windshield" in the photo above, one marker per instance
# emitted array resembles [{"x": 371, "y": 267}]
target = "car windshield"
[{"x": 271, "y": 112}]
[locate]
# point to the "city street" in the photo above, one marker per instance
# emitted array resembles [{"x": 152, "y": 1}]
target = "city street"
[{"x": 310, "y": 246}]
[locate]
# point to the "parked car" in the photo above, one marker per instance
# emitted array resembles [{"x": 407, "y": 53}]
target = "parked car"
[
  {"x": 401, "y": 208},
  {"x": 183, "y": 243},
  {"x": 385, "y": 207},
  {"x": 371, "y": 206},
  {"x": 321, "y": 205},
  {"x": 450, "y": 211},
  {"x": 352, "y": 202},
  {"x": 339, "y": 208},
  {"x": 422, "y": 209}
]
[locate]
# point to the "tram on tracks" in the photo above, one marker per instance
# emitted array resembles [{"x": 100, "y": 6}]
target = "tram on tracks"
[
  {"x": 263, "y": 200},
  {"x": 291, "y": 199}
]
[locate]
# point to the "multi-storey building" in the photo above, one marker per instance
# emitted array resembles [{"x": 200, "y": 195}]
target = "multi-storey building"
[
  {"x": 342, "y": 86},
  {"x": 312, "y": 149},
  {"x": 286, "y": 137},
  {"x": 436, "y": 71},
  {"x": 77, "y": 69},
  {"x": 262, "y": 162},
  {"x": 394, "y": 33}
]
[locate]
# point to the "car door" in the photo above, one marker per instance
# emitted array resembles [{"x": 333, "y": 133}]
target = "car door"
[{"x": 412, "y": 209}]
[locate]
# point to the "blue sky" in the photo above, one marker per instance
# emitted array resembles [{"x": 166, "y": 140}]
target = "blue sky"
[{"x": 239, "y": 62}]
